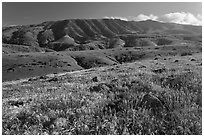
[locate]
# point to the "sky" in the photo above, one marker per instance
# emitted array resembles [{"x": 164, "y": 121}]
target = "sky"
[{"x": 22, "y": 13}]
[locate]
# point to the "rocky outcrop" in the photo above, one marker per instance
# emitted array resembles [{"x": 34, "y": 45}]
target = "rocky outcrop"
[{"x": 153, "y": 103}]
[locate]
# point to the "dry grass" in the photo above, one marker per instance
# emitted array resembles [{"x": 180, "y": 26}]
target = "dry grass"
[{"x": 72, "y": 106}]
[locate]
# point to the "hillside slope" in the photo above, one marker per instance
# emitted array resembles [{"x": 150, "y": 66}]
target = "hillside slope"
[
  {"x": 108, "y": 100},
  {"x": 85, "y": 31},
  {"x": 23, "y": 65}
]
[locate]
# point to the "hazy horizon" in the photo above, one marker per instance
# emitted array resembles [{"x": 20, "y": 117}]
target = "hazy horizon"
[{"x": 23, "y": 13}]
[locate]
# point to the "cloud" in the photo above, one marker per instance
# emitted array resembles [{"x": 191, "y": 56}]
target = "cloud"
[
  {"x": 182, "y": 18},
  {"x": 199, "y": 17},
  {"x": 116, "y": 17},
  {"x": 175, "y": 17},
  {"x": 142, "y": 17}
]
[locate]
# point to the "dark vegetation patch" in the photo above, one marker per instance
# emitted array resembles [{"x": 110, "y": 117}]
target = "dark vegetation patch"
[
  {"x": 163, "y": 41},
  {"x": 186, "y": 53}
]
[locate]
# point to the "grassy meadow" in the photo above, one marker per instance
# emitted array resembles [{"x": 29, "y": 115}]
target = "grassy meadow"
[{"x": 104, "y": 100}]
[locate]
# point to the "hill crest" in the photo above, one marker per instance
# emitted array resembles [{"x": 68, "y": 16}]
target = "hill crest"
[{"x": 83, "y": 30}]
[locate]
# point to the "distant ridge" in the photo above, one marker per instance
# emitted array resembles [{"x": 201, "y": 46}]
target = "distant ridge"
[{"x": 79, "y": 31}]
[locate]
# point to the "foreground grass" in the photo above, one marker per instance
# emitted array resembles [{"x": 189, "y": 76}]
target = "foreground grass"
[{"x": 75, "y": 104}]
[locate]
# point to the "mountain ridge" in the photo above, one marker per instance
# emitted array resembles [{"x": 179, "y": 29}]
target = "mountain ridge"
[{"x": 83, "y": 30}]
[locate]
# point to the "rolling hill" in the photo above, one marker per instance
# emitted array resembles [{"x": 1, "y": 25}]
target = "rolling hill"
[
  {"x": 102, "y": 77},
  {"x": 85, "y": 34},
  {"x": 75, "y": 44}
]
